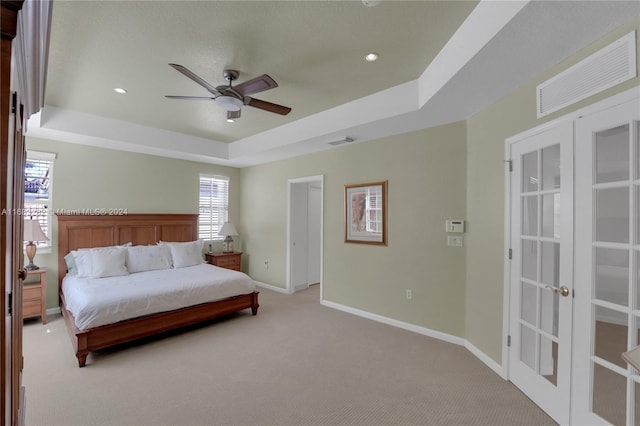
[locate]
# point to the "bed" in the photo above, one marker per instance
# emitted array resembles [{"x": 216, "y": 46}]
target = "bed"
[{"x": 88, "y": 231}]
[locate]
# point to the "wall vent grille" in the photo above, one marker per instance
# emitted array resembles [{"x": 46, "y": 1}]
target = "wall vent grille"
[{"x": 604, "y": 69}]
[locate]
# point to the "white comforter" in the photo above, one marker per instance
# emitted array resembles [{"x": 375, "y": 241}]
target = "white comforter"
[{"x": 99, "y": 301}]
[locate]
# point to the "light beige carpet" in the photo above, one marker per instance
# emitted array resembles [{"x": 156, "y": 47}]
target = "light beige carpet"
[{"x": 295, "y": 363}]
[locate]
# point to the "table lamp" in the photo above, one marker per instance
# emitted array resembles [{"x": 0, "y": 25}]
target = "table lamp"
[
  {"x": 228, "y": 230},
  {"x": 32, "y": 232}
]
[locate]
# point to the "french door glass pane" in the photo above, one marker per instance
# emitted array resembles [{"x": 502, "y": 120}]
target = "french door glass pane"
[
  {"x": 551, "y": 215},
  {"x": 530, "y": 215},
  {"x": 549, "y": 305},
  {"x": 530, "y": 172},
  {"x": 636, "y": 190},
  {"x": 637, "y": 147},
  {"x": 549, "y": 360},
  {"x": 612, "y": 275},
  {"x": 612, "y": 215},
  {"x": 528, "y": 303},
  {"x": 550, "y": 258},
  {"x": 637, "y": 403},
  {"x": 612, "y": 154},
  {"x": 637, "y": 282},
  {"x": 551, "y": 167},
  {"x": 609, "y": 395},
  {"x": 528, "y": 346},
  {"x": 530, "y": 260},
  {"x": 611, "y": 335}
]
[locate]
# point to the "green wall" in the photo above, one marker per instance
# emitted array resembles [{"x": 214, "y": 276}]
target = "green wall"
[
  {"x": 426, "y": 174},
  {"x": 486, "y": 133},
  {"x": 86, "y": 177}
]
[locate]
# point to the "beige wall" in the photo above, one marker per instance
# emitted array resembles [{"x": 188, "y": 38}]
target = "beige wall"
[
  {"x": 486, "y": 133},
  {"x": 426, "y": 174},
  {"x": 86, "y": 177}
]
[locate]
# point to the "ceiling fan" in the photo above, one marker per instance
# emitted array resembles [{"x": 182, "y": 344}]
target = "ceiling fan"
[{"x": 232, "y": 98}]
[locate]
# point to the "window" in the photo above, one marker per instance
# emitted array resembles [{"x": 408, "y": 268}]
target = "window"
[
  {"x": 214, "y": 206},
  {"x": 38, "y": 173},
  {"x": 374, "y": 210}
]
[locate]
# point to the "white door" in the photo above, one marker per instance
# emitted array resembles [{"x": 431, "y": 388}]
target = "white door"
[
  {"x": 541, "y": 272},
  {"x": 607, "y": 300},
  {"x": 299, "y": 237}
]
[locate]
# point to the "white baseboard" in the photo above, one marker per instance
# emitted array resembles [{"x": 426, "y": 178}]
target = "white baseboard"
[
  {"x": 486, "y": 359},
  {"x": 271, "y": 287},
  {"x": 400, "y": 324},
  {"x": 53, "y": 311}
]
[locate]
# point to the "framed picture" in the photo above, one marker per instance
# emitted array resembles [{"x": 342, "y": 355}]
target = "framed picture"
[{"x": 365, "y": 213}]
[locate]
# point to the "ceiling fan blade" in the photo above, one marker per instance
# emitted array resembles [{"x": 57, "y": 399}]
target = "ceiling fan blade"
[
  {"x": 268, "y": 106},
  {"x": 255, "y": 85},
  {"x": 193, "y": 98},
  {"x": 195, "y": 78}
]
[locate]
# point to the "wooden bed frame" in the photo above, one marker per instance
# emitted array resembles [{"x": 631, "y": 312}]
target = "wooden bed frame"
[{"x": 83, "y": 231}]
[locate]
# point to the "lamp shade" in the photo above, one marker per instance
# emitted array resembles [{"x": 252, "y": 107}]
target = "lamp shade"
[
  {"x": 33, "y": 231},
  {"x": 228, "y": 229}
]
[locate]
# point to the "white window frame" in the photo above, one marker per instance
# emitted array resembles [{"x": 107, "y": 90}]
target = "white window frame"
[
  {"x": 373, "y": 211},
  {"x": 42, "y": 207},
  {"x": 213, "y": 211}
]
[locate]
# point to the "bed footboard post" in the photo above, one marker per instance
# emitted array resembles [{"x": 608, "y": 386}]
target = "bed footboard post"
[
  {"x": 81, "y": 347},
  {"x": 254, "y": 303},
  {"x": 82, "y": 358}
]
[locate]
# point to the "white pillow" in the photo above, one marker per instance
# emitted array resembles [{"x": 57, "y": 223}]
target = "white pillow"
[
  {"x": 100, "y": 262},
  {"x": 82, "y": 258},
  {"x": 186, "y": 254},
  {"x": 148, "y": 258},
  {"x": 108, "y": 262}
]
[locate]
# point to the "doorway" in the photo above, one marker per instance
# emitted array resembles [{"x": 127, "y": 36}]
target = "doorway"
[
  {"x": 572, "y": 281},
  {"x": 304, "y": 228}
]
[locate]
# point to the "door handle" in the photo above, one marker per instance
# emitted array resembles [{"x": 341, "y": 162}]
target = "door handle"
[
  {"x": 562, "y": 291},
  {"x": 22, "y": 274}
]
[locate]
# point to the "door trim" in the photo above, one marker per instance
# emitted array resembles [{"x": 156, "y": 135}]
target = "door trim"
[{"x": 290, "y": 185}]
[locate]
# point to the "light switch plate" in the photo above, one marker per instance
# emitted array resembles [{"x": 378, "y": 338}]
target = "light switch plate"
[{"x": 454, "y": 241}]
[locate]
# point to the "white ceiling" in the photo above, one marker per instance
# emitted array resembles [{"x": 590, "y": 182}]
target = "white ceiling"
[{"x": 440, "y": 61}]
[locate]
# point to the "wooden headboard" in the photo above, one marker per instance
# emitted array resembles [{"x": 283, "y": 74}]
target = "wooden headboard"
[{"x": 85, "y": 231}]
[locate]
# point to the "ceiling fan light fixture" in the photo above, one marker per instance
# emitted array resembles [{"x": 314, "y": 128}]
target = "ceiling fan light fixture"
[
  {"x": 229, "y": 103},
  {"x": 372, "y": 56}
]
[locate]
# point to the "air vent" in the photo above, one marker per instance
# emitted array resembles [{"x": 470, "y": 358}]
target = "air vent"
[
  {"x": 341, "y": 141},
  {"x": 604, "y": 69}
]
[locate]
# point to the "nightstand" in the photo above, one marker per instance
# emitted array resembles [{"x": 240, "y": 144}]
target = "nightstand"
[
  {"x": 34, "y": 296},
  {"x": 225, "y": 260}
]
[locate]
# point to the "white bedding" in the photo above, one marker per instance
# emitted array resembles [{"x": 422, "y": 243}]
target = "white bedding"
[{"x": 99, "y": 301}]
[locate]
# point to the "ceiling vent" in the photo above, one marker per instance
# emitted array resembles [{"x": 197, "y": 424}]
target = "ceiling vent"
[
  {"x": 341, "y": 141},
  {"x": 604, "y": 69}
]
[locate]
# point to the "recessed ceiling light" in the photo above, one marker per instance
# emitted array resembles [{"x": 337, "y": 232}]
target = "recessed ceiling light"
[
  {"x": 120, "y": 90},
  {"x": 371, "y": 56}
]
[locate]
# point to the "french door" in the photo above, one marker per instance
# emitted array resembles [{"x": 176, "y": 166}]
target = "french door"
[
  {"x": 542, "y": 267},
  {"x": 574, "y": 276},
  {"x": 606, "y": 389}
]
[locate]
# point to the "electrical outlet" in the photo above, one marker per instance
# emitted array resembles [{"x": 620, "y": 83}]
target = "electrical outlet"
[
  {"x": 266, "y": 264},
  {"x": 409, "y": 294}
]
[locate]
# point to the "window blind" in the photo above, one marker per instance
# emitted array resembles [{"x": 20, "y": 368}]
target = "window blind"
[
  {"x": 213, "y": 207},
  {"x": 38, "y": 173}
]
